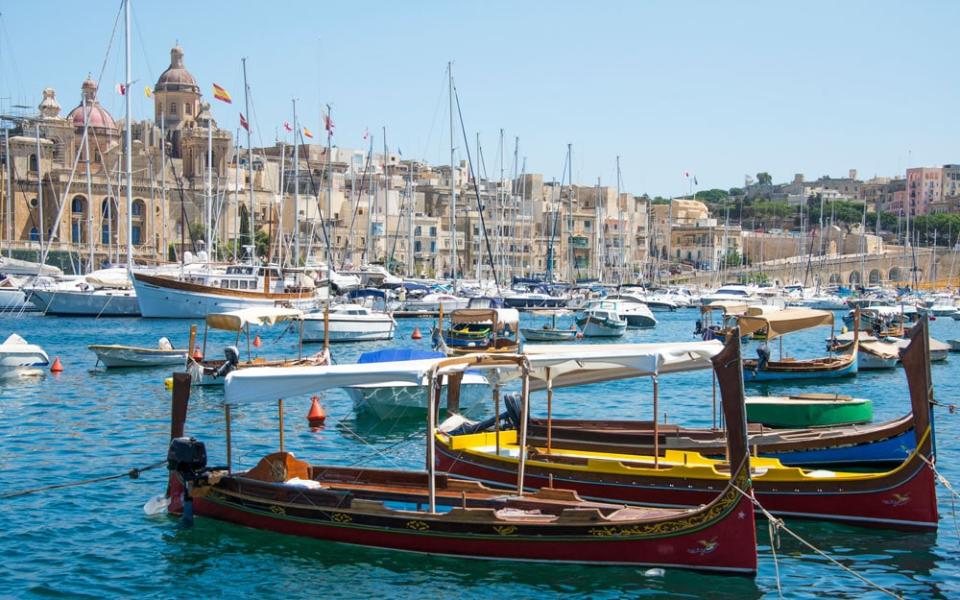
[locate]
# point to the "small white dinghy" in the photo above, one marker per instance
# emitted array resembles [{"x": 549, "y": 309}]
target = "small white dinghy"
[
  {"x": 19, "y": 358},
  {"x": 164, "y": 354}
]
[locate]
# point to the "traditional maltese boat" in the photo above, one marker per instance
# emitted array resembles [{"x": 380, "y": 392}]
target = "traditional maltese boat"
[
  {"x": 484, "y": 326},
  {"x": 213, "y": 372},
  {"x": 902, "y": 497},
  {"x": 779, "y": 323},
  {"x": 434, "y": 513}
]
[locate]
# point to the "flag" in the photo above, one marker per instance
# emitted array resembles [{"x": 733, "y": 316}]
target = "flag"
[
  {"x": 221, "y": 94},
  {"x": 366, "y": 133},
  {"x": 695, "y": 180},
  {"x": 328, "y": 123},
  {"x": 399, "y": 151},
  {"x": 686, "y": 174},
  {"x": 287, "y": 126},
  {"x": 121, "y": 89},
  {"x": 307, "y": 133},
  {"x": 243, "y": 122},
  {"x": 147, "y": 92}
]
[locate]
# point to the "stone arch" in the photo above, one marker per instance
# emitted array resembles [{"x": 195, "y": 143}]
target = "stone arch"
[
  {"x": 835, "y": 278},
  {"x": 108, "y": 221},
  {"x": 895, "y": 274},
  {"x": 875, "y": 277},
  {"x": 78, "y": 217},
  {"x": 854, "y": 277}
]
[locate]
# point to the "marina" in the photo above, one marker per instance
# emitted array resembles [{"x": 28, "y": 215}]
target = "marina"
[{"x": 252, "y": 351}]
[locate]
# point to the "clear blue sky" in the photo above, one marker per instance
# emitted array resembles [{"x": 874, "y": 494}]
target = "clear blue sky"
[{"x": 720, "y": 89}]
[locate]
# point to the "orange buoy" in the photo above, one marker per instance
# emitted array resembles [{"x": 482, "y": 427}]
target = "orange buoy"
[
  {"x": 317, "y": 415},
  {"x": 197, "y": 355},
  {"x": 57, "y": 366},
  {"x": 416, "y": 334},
  {"x": 256, "y": 342}
]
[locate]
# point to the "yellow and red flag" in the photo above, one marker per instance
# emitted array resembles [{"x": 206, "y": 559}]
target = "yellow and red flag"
[
  {"x": 221, "y": 94},
  {"x": 307, "y": 133}
]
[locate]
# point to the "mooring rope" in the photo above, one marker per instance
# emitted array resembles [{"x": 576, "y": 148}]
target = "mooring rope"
[
  {"x": 945, "y": 483},
  {"x": 778, "y": 525},
  {"x": 132, "y": 474}
]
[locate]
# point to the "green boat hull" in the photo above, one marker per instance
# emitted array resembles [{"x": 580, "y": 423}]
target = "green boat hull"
[{"x": 799, "y": 413}]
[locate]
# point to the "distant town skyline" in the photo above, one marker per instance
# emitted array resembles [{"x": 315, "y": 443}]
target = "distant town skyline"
[{"x": 716, "y": 91}]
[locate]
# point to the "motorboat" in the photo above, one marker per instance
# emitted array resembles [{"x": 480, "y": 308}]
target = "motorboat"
[
  {"x": 599, "y": 321},
  {"x": 204, "y": 371},
  {"x": 549, "y": 333},
  {"x": 433, "y": 302},
  {"x": 19, "y": 358},
  {"x": 632, "y": 309},
  {"x": 398, "y": 399},
  {"x": 732, "y": 292},
  {"x": 12, "y": 298},
  {"x": 114, "y": 356},
  {"x": 348, "y": 323}
]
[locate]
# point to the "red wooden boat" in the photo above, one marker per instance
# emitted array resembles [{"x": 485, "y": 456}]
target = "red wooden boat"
[
  {"x": 461, "y": 518},
  {"x": 903, "y": 497}
]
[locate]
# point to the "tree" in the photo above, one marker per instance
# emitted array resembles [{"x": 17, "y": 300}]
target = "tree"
[
  {"x": 764, "y": 178},
  {"x": 713, "y": 196}
]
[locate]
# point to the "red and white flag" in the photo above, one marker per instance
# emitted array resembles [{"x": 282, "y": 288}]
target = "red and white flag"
[
  {"x": 328, "y": 123},
  {"x": 121, "y": 89},
  {"x": 244, "y": 123},
  {"x": 366, "y": 133},
  {"x": 287, "y": 126}
]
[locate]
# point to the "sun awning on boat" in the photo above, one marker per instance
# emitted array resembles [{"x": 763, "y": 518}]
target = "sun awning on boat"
[
  {"x": 785, "y": 321},
  {"x": 727, "y": 307},
  {"x": 880, "y": 349},
  {"x": 236, "y": 320},
  {"x": 580, "y": 364},
  {"x": 569, "y": 365},
  {"x": 509, "y": 317}
]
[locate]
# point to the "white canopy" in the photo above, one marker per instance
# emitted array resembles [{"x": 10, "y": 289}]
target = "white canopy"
[
  {"x": 235, "y": 320},
  {"x": 569, "y": 365}
]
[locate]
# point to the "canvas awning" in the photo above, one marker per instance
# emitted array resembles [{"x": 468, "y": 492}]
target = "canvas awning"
[
  {"x": 569, "y": 365},
  {"x": 727, "y": 307},
  {"x": 508, "y": 317},
  {"x": 784, "y": 321},
  {"x": 235, "y": 320}
]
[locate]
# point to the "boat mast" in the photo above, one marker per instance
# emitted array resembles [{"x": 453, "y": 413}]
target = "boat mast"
[
  {"x": 283, "y": 159},
  {"x": 411, "y": 207},
  {"x": 128, "y": 155},
  {"x": 453, "y": 186},
  {"x": 383, "y": 208},
  {"x": 296, "y": 187},
  {"x": 6, "y": 154},
  {"x": 329, "y": 125},
  {"x": 598, "y": 229},
  {"x": 253, "y": 212},
  {"x": 570, "y": 265},
  {"x": 39, "y": 184},
  {"x": 209, "y": 186},
  {"x": 621, "y": 258},
  {"x": 163, "y": 188}
]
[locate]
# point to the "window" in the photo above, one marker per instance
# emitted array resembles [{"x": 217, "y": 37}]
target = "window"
[
  {"x": 33, "y": 162},
  {"x": 173, "y": 108},
  {"x": 433, "y": 231},
  {"x": 136, "y": 236},
  {"x": 78, "y": 205},
  {"x": 76, "y": 232},
  {"x": 417, "y": 246},
  {"x": 138, "y": 208},
  {"x": 416, "y": 231},
  {"x": 34, "y": 235},
  {"x": 433, "y": 246},
  {"x": 187, "y": 109}
]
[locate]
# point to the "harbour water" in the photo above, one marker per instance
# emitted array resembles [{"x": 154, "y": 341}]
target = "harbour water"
[{"x": 95, "y": 540}]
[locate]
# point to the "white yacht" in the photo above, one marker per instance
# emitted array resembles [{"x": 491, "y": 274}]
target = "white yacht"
[
  {"x": 433, "y": 301},
  {"x": 103, "y": 293},
  {"x": 736, "y": 292},
  {"x": 349, "y": 323}
]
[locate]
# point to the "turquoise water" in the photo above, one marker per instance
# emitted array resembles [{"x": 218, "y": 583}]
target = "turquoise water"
[{"x": 95, "y": 540}]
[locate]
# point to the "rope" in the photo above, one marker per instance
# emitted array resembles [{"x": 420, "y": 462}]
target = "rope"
[
  {"x": 774, "y": 544},
  {"x": 132, "y": 474},
  {"x": 953, "y": 493},
  {"x": 778, "y": 524}
]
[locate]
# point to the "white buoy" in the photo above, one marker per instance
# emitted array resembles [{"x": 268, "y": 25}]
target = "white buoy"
[{"x": 156, "y": 505}]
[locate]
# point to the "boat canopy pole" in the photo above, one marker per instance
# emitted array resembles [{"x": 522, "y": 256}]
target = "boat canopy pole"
[
  {"x": 550, "y": 407},
  {"x": 280, "y": 417},
  {"x": 226, "y": 415},
  {"x": 432, "y": 442},
  {"x": 496, "y": 412},
  {"x": 524, "y": 415},
  {"x": 656, "y": 423}
]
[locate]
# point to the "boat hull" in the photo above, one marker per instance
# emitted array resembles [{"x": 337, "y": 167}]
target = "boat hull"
[
  {"x": 800, "y": 413},
  {"x": 773, "y": 372},
  {"x": 549, "y": 335},
  {"x": 399, "y": 401},
  {"x": 350, "y": 330},
  {"x": 593, "y": 327},
  {"x": 127, "y": 356},
  {"x": 14, "y": 300},
  {"x": 905, "y": 500},
  {"x": 97, "y": 303},
  {"x": 165, "y": 298}
]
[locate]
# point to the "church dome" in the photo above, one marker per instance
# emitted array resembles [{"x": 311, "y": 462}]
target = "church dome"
[
  {"x": 99, "y": 117},
  {"x": 176, "y": 78}
]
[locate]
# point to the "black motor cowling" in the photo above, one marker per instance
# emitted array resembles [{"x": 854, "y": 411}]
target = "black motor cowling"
[
  {"x": 232, "y": 359},
  {"x": 187, "y": 456}
]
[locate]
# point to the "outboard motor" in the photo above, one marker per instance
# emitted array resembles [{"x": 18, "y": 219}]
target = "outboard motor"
[
  {"x": 698, "y": 328},
  {"x": 231, "y": 360},
  {"x": 763, "y": 356},
  {"x": 187, "y": 457}
]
